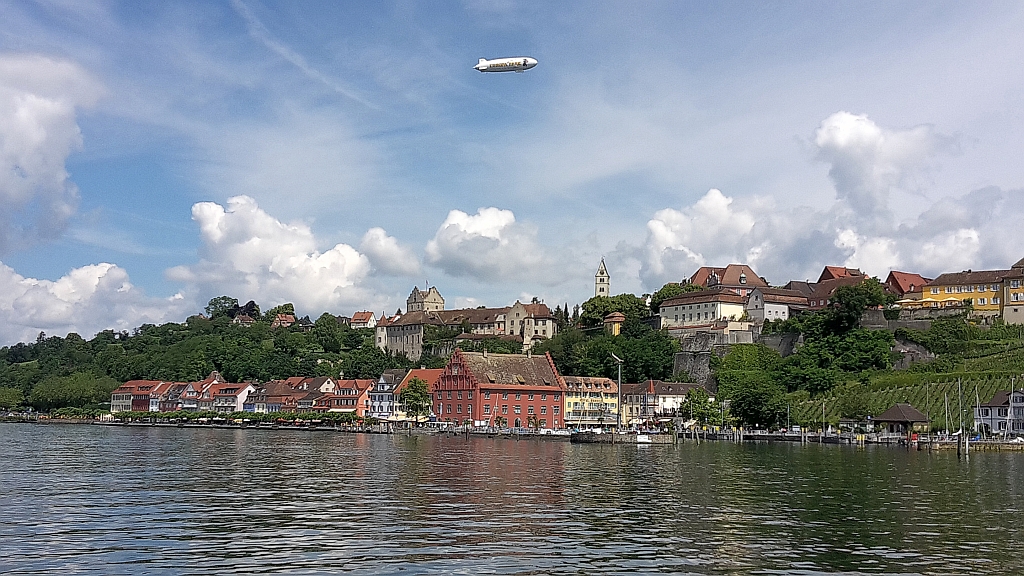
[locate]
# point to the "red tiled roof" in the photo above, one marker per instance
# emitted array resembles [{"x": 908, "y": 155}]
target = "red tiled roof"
[
  {"x": 727, "y": 276},
  {"x": 903, "y": 282},
  {"x": 833, "y": 272},
  {"x": 362, "y": 317}
]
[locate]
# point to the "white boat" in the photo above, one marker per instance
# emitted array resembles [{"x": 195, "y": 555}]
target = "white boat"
[{"x": 643, "y": 439}]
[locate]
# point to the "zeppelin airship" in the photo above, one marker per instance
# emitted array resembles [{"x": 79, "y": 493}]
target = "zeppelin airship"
[{"x": 520, "y": 64}]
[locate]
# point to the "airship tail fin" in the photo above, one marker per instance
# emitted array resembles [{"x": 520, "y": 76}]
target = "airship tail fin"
[{"x": 482, "y": 60}]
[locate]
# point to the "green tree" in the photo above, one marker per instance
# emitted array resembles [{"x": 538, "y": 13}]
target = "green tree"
[
  {"x": 76, "y": 390},
  {"x": 670, "y": 290},
  {"x": 699, "y": 406},
  {"x": 287, "y": 308},
  {"x": 11, "y": 398},
  {"x": 415, "y": 398},
  {"x": 221, "y": 306},
  {"x": 758, "y": 402},
  {"x": 595, "y": 309}
]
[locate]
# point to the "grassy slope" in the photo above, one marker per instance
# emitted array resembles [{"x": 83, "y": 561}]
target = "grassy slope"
[{"x": 987, "y": 370}]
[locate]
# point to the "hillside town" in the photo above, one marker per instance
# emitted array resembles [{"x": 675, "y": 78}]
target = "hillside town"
[{"x": 477, "y": 388}]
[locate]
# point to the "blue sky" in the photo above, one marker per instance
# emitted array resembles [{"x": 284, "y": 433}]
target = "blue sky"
[{"x": 334, "y": 154}]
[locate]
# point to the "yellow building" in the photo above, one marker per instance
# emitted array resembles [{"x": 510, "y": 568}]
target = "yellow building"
[
  {"x": 1013, "y": 294},
  {"x": 590, "y": 402},
  {"x": 981, "y": 289},
  {"x": 988, "y": 292}
]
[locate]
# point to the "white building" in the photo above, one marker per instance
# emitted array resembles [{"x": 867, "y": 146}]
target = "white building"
[
  {"x": 382, "y": 396},
  {"x": 773, "y": 304},
  {"x": 702, "y": 308},
  {"x": 1003, "y": 414}
]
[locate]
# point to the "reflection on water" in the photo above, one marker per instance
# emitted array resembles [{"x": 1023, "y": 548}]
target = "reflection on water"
[{"x": 166, "y": 500}]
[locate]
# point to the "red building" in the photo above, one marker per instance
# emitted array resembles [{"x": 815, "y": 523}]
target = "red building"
[{"x": 513, "y": 390}]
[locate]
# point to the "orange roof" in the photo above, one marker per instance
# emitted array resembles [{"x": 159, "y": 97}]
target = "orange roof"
[
  {"x": 362, "y": 317},
  {"x": 428, "y": 375},
  {"x": 833, "y": 272}
]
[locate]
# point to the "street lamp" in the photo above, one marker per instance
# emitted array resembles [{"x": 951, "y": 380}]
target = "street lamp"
[{"x": 618, "y": 397}]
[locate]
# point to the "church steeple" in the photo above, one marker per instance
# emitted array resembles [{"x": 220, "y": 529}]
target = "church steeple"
[{"x": 602, "y": 285}]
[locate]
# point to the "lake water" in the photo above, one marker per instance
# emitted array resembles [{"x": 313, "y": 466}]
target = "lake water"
[{"x": 92, "y": 499}]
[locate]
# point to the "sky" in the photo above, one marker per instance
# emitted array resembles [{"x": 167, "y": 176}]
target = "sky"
[{"x": 154, "y": 155}]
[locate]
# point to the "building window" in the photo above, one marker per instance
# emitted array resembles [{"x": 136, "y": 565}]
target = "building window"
[
  {"x": 529, "y": 397},
  {"x": 458, "y": 408},
  {"x": 981, "y": 301},
  {"x": 504, "y": 395},
  {"x": 543, "y": 409},
  {"x": 469, "y": 395},
  {"x": 487, "y": 408},
  {"x": 438, "y": 395},
  {"x": 529, "y": 409},
  {"x": 504, "y": 408},
  {"x": 544, "y": 396},
  {"x": 460, "y": 394},
  {"x": 449, "y": 394},
  {"x": 469, "y": 408},
  {"x": 487, "y": 395},
  {"x": 554, "y": 409},
  {"x": 995, "y": 300},
  {"x": 517, "y": 409},
  {"x": 557, "y": 396}
]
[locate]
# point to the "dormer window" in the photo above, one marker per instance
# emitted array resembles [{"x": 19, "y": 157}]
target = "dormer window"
[{"x": 743, "y": 278}]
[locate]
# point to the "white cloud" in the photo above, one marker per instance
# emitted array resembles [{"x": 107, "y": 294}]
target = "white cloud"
[
  {"x": 489, "y": 246},
  {"x": 709, "y": 231},
  {"x": 38, "y": 131},
  {"x": 86, "y": 300},
  {"x": 870, "y": 166},
  {"x": 387, "y": 255},
  {"x": 249, "y": 254},
  {"x": 867, "y": 162},
  {"x": 875, "y": 256}
]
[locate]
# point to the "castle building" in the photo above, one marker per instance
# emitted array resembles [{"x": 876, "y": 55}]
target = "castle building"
[{"x": 428, "y": 301}]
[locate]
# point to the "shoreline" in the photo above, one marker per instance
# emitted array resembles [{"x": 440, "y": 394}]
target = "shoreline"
[{"x": 732, "y": 436}]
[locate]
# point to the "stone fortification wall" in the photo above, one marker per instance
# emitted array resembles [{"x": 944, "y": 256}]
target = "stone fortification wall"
[
  {"x": 694, "y": 359},
  {"x": 784, "y": 344},
  {"x": 875, "y": 320}
]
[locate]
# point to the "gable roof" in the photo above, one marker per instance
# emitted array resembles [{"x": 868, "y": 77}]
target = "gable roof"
[
  {"x": 833, "y": 272},
  {"x": 362, "y": 317},
  {"x": 509, "y": 369},
  {"x": 783, "y": 296},
  {"x": 727, "y": 276},
  {"x": 904, "y": 282},
  {"x": 428, "y": 375},
  {"x": 902, "y": 412}
]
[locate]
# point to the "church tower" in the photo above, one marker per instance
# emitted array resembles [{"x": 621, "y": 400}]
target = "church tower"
[{"x": 602, "y": 287}]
